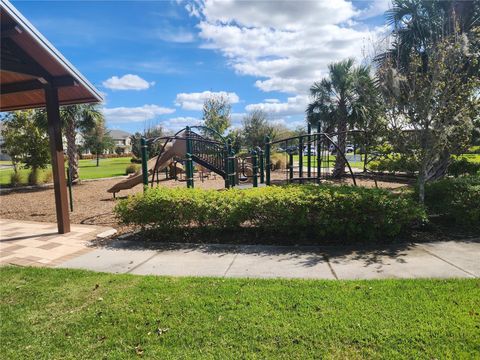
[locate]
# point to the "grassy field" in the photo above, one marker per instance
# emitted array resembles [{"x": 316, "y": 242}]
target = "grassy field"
[
  {"x": 325, "y": 164},
  {"x": 475, "y": 158},
  {"x": 88, "y": 170},
  {"x": 67, "y": 314}
]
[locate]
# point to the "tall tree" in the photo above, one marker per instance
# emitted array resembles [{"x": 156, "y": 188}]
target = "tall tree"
[
  {"x": 149, "y": 133},
  {"x": 255, "y": 128},
  {"x": 429, "y": 78},
  {"x": 98, "y": 140},
  {"x": 216, "y": 113},
  {"x": 438, "y": 104},
  {"x": 25, "y": 141},
  {"x": 342, "y": 99}
]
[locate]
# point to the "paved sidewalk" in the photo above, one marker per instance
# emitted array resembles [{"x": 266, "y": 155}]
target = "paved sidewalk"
[
  {"x": 29, "y": 243},
  {"x": 429, "y": 260}
]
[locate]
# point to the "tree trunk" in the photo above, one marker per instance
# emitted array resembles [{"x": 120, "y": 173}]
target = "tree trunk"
[
  {"x": 72, "y": 152},
  {"x": 421, "y": 182},
  {"x": 339, "y": 168},
  {"x": 439, "y": 169},
  {"x": 98, "y": 159}
]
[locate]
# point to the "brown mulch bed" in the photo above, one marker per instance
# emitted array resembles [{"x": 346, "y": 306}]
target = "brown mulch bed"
[{"x": 93, "y": 205}]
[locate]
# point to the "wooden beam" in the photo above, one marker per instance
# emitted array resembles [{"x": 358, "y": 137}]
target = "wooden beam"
[
  {"x": 15, "y": 59},
  {"x": 30, "y": 85},
  {"x": 58, "y": 166}
]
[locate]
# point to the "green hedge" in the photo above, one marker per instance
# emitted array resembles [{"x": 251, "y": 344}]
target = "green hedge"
[
  {"x": 461, "y": 166},
  {"x": 458, "y": 199},
  {"x": 319, "y": 212}
]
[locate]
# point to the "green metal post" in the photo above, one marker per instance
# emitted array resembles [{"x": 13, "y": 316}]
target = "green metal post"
[
  {"x": 319, "y": 153},
  {"x": 232, "y": 172},
  {"x": 309, "y": 151},
  {"x": 290, "y": 165},
  {"x": 69, "y": 180},
  {"x": 227, "y": 167},
  {"x": 143, "y": 143},
  {"x": 189, "y": 140},
  {"x": 262, "y": 170},
  {"x": 189, "y": 170},
  {"x": 300, "y": 159},
  {"x": 254, "y": 168},
  {"x": 267, "y": 160}
]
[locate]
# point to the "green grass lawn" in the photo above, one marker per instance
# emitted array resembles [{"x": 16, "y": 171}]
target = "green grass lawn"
[
  {"x": 88, "y": 170},
  {"x": 475, "y": 158},
  {"x": 325, "y": 163},
  {"x": 71, "y": 314}
]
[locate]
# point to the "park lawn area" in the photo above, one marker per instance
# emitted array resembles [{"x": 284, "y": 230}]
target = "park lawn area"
[
  {"x": 325, "y": 163},
  {"x": 88, "y": 170},
  {"x": 67, "y": 314},
  {"x": 475, "y": 158}
]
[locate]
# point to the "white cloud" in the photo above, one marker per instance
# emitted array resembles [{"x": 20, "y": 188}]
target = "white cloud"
[
  {"x": 177, "y": 36},
  {"x": 194, "y": 101},
  {"x": 177, "y": 123},
  {"x": 127, "y": 82},
  {"x": 293, "y": 106},
  {"x": 376, "y": 8},
  {"x": 286, "y": 44},
  {"x": 280, "y": 14},
  {"x": 135, "y": 114}
]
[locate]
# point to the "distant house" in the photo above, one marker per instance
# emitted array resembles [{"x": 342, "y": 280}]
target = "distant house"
[
  {"x": 3, "y": 152},
  {"x": 122, "y": 141}
]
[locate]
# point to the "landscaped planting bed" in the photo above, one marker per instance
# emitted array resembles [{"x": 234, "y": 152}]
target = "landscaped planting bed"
[
  {"x": 456, "y": 199},
  {"x": 317, "y": 212}
]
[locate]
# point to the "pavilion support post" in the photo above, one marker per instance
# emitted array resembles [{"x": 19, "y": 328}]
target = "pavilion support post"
[{"x": 58, "y": 165}]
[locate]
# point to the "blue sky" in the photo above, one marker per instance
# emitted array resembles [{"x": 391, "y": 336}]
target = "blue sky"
[{"x": 156, "y": 61}]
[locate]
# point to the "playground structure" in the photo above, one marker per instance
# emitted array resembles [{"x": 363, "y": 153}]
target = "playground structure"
[{"x": 308, "y": 159}]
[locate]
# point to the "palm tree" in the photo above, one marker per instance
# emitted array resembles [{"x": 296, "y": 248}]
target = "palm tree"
[
  {"x": 341, "y": 100},
  {"x": 74, "y": 118},
  {"x": 418, "y": 25},
  {"x": 78, "y": 118}
]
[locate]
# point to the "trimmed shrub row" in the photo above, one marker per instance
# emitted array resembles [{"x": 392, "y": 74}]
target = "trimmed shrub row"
[
  {"x": 457, "y": 198},
  {"x": 461, "y": 166},
  {"x": 319, "y": 212}
]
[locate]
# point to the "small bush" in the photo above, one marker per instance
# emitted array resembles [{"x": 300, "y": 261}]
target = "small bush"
[
  {"x": 15, "y": 179},
  {"x": 34, "y": 177},
  {"x": 462, "y": 166},
  {"x": 131, "y": 169},
  {"x": 134, "y": 160},
  {"x": 278, "y": 161},
  {"x": 48, "y": 177},
  {"x": 394, "y": 163},
  {"x": 458, "y": 199},
  {"x": 317, "y": 212}
]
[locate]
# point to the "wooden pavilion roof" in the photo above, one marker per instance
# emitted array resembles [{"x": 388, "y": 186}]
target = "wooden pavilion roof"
[{"x": 29, "y": 62}]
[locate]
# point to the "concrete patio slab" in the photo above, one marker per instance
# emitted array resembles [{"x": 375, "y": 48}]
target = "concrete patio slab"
[
  {"x": 461, "y": 254},
  {"x": 110, "y": 260},
  {"x": 400, "y": 261},
  {"x": 407, "y": 262},
  {"x": 187, "y": 263},
  {"x": 279, "y": 262}
]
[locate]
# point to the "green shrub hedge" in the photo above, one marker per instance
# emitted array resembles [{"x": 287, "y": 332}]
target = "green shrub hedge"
[
  {"x": 318, "y": 212},
  {"x": 461, "y": 166},
  {"x": 458, "y": 199}
]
